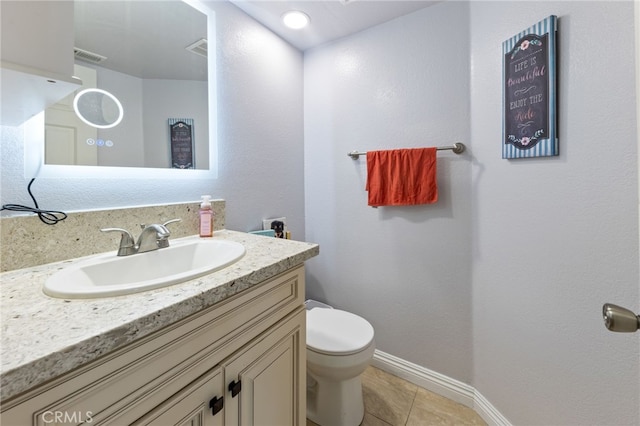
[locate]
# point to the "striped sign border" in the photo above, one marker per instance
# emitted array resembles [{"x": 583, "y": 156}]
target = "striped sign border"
[{"x": 546, "y": 147}]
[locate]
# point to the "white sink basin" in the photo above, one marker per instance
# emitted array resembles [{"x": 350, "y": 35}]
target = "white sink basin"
[{"x": 110, "y": 275}]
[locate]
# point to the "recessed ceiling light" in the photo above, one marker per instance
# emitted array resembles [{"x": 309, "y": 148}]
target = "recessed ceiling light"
[{"x": 295, "y": 19}]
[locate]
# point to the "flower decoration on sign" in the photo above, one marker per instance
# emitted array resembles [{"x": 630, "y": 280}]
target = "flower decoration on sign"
[
  {"x": 525, "y": 140},
  {"x": 525, "y": 45}
]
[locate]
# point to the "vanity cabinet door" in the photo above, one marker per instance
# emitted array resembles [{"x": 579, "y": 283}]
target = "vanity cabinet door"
[
  {"x": 266, "y": 380},
  {"x": 261, "y": 384},
  {"x": 199, "y": 404}
]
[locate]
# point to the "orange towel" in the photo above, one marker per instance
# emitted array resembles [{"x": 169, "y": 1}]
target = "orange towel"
[{"x": 402, "y": 177}]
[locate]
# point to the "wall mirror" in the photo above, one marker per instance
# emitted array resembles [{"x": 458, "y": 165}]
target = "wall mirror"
[{"x": 149, "y": 60}]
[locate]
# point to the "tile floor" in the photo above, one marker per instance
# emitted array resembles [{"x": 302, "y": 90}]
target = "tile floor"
[{"x": 391, "y": 401}]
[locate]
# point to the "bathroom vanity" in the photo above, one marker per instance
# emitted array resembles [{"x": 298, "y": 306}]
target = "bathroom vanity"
[{"x": 227, "y": 348}]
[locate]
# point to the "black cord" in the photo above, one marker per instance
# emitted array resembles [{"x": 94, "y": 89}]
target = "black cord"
[{"x": 50, "y": 217}]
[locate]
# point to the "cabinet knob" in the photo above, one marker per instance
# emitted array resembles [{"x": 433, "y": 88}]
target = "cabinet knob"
[
  {"x": 235, "y": 388},
  {"x": 216, "y": 404}
]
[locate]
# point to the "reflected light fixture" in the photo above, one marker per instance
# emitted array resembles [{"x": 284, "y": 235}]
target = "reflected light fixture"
[
  {"x": 295, "y": 19},
  {"x": 98, "y": 108}
]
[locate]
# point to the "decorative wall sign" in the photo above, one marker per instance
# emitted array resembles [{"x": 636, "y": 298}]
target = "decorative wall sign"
[
  {"x": 181, "y": 131},
  {"x": 529, "y": 84}
]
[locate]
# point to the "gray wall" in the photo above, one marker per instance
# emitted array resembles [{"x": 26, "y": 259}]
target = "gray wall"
[
  {"x": 406, "y": 269},
  {"x": 501, "y": 283},
  {"x": 260, "y": 144},
  {"x": 556, "y": 238}
]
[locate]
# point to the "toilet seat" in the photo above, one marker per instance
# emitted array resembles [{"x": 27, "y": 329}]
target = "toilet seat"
[{"x": 337, "y": 332}]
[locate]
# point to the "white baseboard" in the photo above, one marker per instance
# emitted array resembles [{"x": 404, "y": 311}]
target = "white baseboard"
[
  {"x": 488, "y": 412},
  {"x": 441, "y": 385}
]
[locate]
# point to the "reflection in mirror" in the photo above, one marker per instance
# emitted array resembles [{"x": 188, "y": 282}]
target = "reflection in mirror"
[
  {"x": 98, "y": 108},
  {"x": 152, "y": 56}
]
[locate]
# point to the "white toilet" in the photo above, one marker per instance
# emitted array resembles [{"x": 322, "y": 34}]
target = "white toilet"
[{"x": 340, "y": 346}]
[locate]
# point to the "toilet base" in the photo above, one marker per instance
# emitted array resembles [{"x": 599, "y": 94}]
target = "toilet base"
[{"x": 331, "y": 403}]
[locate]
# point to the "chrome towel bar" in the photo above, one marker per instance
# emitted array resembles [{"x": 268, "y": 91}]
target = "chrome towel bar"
[{"x": 457, "y": 148}]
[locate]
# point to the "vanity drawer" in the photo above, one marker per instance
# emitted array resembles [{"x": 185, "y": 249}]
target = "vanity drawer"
[{"x": 133, "y": 380}]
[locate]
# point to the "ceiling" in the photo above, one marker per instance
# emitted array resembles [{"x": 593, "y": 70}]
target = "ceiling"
[
  {"x": 145, "y": 39},
  {"x": 330, "y": 19},
  {"x": 107, "y": 27}
]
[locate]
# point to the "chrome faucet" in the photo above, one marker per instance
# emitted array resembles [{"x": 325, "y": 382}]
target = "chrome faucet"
[{"x": 152, "y": 237}]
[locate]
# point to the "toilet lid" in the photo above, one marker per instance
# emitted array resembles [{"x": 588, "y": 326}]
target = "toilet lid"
[{"x": 333, "y": 331}]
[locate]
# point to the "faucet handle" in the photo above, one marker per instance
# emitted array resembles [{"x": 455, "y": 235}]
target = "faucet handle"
[
  {"x": 171, "y": 221},
  {"x": 144, "y": 225},
  {"x": 163, "y": 242},
  {"x": 127, "y": 244},
  {"x": 126, "y": 235}
]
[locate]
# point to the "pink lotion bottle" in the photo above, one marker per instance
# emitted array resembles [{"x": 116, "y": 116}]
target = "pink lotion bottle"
[{"x": 206, "y": 217}]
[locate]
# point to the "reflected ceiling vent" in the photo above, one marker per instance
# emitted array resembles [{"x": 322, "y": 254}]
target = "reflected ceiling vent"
[
  {"x": 200, "y": 47},
  {"x": 85, "y": 55}
]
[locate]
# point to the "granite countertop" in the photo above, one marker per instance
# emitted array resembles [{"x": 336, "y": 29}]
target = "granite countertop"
[{"x": 44, "y": 337}]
